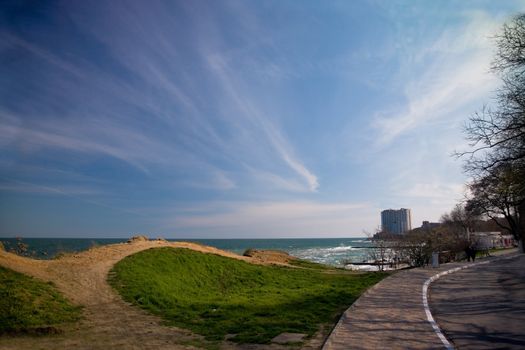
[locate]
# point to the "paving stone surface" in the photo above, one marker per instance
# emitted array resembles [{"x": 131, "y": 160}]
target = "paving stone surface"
[
  {"x": 285, "y": 338},
  {"x": 390, "y": 315}
]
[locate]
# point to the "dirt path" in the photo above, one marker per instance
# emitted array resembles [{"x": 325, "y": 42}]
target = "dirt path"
[{"x": 108, "y": 321}]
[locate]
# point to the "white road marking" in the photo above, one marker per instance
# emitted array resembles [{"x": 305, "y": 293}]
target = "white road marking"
[{"x": 430, "y": 318}]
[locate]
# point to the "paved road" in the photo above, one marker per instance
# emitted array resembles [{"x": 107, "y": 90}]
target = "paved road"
[
  {"x": 391, "y": 314},
  {"x": 388, "y": 316},
  {"x": 483, "y": 307}
]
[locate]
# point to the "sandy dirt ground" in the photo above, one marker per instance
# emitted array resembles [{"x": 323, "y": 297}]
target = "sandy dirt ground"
[{"x": 109, "y": 322}]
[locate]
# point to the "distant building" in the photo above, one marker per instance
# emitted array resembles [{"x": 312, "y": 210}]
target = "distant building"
[
  {"x": 427, "y": 225},
  {"x": 396, "y": 221},
  {"x": 490, "y": 240}
]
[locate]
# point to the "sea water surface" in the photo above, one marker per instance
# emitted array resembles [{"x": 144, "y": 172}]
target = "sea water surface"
[{"x": 330, "y": 251}]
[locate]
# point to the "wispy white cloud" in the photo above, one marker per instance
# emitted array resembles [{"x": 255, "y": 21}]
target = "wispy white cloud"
[
  {"x": 212, "y": 180},
  {"x": 283, "y": 219},
  {"x": 23, "y": 187},
  {"x": 278, "y": 182},
  {"x": 103, "y": 138},
  {"x": 164, "y": 85},
  {"x": 257, "y": 119},
  {"x": 443, "y": 82},
  {"x": 284, "y": 150},
  {"x": 457, "y": 74},
  {"x": 436, "y": 190},
  {"x": 201, "y": 102}
]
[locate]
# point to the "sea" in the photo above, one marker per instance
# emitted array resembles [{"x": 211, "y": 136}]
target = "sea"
[{"x": 331, "y": 251}]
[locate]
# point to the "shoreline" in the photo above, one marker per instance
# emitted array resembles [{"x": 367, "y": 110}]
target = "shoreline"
[{"x": 329, "y": 251}]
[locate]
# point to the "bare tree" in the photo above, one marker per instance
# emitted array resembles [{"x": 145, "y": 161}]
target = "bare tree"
[
  {"x": 500, "y": 194},
  {"x": 417, "y": 249},
  {"x": 500, "y": 131},
  {"x": 382, "y": 252},
  {"x": 461, "y": 217},
  {"x": 496, "y": 159}
]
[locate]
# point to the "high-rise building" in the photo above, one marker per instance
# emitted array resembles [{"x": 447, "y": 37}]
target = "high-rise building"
[{"x": 396, "y": 221}]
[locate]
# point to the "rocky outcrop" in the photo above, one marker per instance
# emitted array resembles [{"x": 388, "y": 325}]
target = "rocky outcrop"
[
  {"x": 268, "y": 256},
  {"x": 138, "y": 238}
]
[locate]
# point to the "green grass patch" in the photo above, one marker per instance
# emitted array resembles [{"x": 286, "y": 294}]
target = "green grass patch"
[
  {"x": 28, "y": 305},
  {"x": 215, "y": 296},
  {"x": 487, "y": 252}
]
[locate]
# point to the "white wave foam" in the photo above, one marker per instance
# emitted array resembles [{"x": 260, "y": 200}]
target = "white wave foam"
[
  {"x": 335, "y": 255},
  {"x": 340, "y": 249}
]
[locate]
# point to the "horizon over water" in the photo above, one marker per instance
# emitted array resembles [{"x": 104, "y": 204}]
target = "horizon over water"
[{"x": 330, "y": 251}]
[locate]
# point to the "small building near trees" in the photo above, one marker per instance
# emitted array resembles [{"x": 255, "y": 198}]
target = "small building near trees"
[{"x": 493, "y": 240}]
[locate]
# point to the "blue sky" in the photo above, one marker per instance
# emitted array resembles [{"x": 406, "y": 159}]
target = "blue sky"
[{"x": 236, "y": 119}]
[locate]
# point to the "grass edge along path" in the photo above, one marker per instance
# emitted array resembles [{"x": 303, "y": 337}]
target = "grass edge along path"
[
  {"x": 217, "y": 296},
  {"x": 31, "y": 306}
]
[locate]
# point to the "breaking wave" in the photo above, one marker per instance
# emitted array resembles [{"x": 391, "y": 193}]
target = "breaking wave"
[{"x": 331, "y": 255}]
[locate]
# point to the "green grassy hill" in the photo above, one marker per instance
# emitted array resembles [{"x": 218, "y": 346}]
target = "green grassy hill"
[
  {"x": 28, "y": 305},
  {"x": 216, "y": 296}
]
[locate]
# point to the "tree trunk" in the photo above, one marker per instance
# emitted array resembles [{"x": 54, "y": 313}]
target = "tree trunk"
[{"x": 521, "y": 226}]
